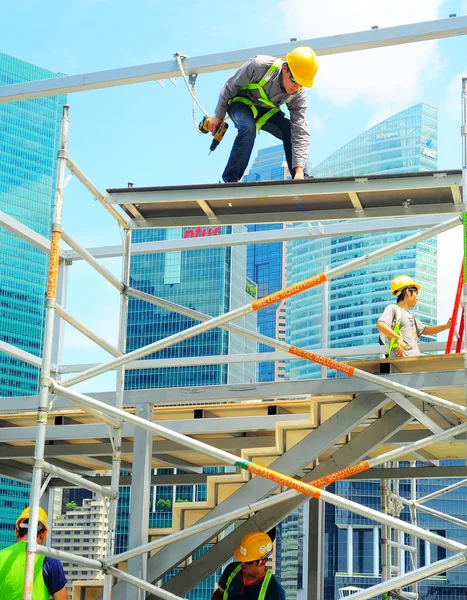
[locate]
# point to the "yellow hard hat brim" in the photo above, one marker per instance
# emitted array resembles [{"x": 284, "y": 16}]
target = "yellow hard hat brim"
[
  {"x": 242, "y": 558},
  {"x": 308, "y": 83},
  {"x": 399, "y": 290}
]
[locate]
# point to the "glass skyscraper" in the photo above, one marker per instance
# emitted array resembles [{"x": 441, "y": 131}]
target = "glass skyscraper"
[
  {"x": 212, "y": 281},
  {"x": 29, "y": 138},
  {"x": 266, "y": 262},
  {"x": 406, "y": 142}
]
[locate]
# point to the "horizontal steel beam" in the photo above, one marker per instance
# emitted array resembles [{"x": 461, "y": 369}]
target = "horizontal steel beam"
[
  {"x": 187, "y": 427},
  {"x": 251, "y": 391},
  {"x": 19, "y": 473},
  {"x": 182, "y": 479},
  {"x": 266, "y": 237},
  {"x": 256, "y": 357},
  {"x": 350, "y": 42},
  {"x": 196, "y": 479},
  {"x": 105, "y": 449}
]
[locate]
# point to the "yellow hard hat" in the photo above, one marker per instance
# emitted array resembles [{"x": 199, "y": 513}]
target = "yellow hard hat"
[
  {"x": 401, "y": 282},
  {"x": 303, "y": 65},
  {"x": 254, "y": 546},
  {"x": 43, "y": 518}
]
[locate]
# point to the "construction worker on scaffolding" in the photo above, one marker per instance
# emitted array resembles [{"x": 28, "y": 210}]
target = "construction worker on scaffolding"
[
  {"x": 399, "y": 325},
  {"x": 249, "y": 578},
  {"x": 49, "y": 577},
  {"x": 252, "y": 97}
]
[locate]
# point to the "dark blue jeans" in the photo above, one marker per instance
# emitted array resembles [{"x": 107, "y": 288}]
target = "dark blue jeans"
[{"x": 242, "y": 117}]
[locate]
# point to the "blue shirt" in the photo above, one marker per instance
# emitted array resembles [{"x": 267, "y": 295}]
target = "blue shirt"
[
  {"x": 251, "y": 592},
  {"x": 54, "y": 576}
]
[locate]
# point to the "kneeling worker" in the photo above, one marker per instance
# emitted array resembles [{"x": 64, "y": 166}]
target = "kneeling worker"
[
  {"x": 399, "y": 325},
  {"x": 252, "y": 97},
  {"x": 249, "y": 578},
  {"x": 49, "y": 577}
]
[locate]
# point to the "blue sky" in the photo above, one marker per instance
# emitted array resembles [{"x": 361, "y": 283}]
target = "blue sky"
[{"x": 144, "y": 133}]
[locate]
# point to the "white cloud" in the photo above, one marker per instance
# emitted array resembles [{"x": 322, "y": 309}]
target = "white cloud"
[{"x": 387, "y": 79}]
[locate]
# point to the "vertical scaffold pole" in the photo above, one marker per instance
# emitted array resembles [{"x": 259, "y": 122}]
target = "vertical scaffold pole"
[
  {"x": 120, "y": 390},
  {"x": 42, "y": 411},
  {"x": 464, "y": 203},
  {"x": 325, "y": 321},
  {"x": 385, "y": 531},
  {"x": 413, "y": 540}
]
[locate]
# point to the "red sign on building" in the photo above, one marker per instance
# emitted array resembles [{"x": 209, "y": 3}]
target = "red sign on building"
[{"x": 202, "y": 232}]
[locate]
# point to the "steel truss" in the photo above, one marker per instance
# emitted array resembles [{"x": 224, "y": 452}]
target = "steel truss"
[{"x": 116, "y": 417}]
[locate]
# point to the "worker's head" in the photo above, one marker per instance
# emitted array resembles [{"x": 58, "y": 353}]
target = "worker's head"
[
  {"x": 299, "y": 70},
  {"x": 22, "y": 525},
  {"x": 405, "y": 288},
  {"x": 253, "y": 552}
]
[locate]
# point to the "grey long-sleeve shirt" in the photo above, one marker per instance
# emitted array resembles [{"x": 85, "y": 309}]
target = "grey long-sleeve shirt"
[{"x": 252, "y": 72}]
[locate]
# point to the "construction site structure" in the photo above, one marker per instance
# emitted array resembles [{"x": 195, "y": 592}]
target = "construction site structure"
[{"x": 322, "y": 431}]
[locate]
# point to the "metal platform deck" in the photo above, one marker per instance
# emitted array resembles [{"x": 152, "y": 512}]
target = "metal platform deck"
[
  {"x": 76, "y": 441},
  {"x": 338, "y": 198}
]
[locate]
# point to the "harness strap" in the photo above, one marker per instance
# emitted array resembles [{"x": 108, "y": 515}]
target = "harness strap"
[
  {"x": 397, "y": 328},
  {"x": 263, "y": 98},
  {"x": 264, "y": 585},
  {"x": 234, "y": 573}
]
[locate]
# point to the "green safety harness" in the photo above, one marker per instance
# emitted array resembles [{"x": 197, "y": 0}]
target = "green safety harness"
[
  {"x": 264, "y": 585},
  {"x": 263, "y": 98},
  {"x": 397, "y": 328}
]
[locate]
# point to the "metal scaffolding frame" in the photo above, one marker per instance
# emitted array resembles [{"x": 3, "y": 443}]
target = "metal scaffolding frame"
[{"x": 391, "y": 392}]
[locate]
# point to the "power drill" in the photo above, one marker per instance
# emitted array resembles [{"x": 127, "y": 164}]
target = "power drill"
[{"x": 220, "y": 132}]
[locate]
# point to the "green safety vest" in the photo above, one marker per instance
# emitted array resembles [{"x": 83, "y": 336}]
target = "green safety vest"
[
  {"x": 12, "y": 562},
  {"x": 264, "y": 585},
  {"x": 396, "y": 328},
  {"x": 277, "y": 64}
]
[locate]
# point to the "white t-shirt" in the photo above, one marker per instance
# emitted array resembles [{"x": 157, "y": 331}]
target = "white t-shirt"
[{"x": 411, "y": 329}]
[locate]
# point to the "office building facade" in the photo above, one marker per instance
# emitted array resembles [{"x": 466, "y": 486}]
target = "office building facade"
[
  {"x": 211, "y": 281},
  {"x": 29, "y": 136},
  {"x": 82, "y": 530},
  {"x": 266, "y": 263},
  {"x": 406, "y": 142}
]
